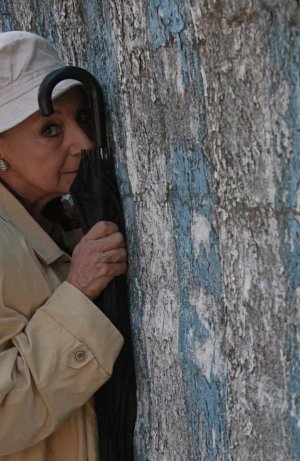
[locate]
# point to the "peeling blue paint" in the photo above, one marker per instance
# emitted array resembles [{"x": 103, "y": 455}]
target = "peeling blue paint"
[
  {"x": 164, "y": 21},
  {"x": 190, "y": 172},
  {"x": 168, "y": 23},
  {"x": 206, "y": 399},
  {"x": 284, "y": 46}
]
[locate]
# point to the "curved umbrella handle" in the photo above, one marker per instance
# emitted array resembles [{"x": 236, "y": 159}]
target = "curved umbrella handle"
[{"x": 92, "y": 88}]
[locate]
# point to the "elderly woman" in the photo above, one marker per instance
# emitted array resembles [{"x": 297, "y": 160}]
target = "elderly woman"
[{"x": 56, "y": 347}]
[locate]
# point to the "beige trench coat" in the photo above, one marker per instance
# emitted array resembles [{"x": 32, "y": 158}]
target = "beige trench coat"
[{"x": 56, "y": 347}]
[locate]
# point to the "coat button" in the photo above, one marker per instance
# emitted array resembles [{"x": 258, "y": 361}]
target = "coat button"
[{"x": 80, "y": 355}]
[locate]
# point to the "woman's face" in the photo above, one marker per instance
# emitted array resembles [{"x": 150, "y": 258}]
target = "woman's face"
[{"x": 44, "y": 153}]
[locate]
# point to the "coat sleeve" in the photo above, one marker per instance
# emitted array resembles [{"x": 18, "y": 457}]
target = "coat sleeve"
[{"x": 50, "y": 364}]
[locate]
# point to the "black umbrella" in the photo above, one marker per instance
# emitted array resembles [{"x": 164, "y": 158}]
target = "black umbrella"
[{"x": 96, "y": 196}]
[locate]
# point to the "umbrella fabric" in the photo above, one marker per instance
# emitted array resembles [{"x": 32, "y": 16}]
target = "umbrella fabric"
[{"x": 96, "y": 196}]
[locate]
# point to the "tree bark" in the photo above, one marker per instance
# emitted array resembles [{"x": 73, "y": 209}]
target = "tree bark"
[{"x": 203, "y": 110}]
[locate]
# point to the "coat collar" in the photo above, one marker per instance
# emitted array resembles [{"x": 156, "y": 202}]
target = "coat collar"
[{"x": 12, "y": 211}]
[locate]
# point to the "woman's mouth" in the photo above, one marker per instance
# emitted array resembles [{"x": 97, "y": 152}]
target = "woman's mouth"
[{"x": 71, "y": 172}]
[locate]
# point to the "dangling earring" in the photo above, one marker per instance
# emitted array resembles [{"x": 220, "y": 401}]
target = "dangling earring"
[{"x": 4, "y": 166}]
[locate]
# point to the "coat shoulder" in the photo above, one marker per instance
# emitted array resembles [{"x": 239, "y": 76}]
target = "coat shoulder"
[{"x": 23, "y": 281}]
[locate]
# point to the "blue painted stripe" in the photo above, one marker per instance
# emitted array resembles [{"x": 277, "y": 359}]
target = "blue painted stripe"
[
  {"x": 206, "y": 398},
  {"x": 191, "y": 194}
]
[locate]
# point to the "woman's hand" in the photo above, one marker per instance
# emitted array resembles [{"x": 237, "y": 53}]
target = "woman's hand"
[{"x": 98, "y": 258}]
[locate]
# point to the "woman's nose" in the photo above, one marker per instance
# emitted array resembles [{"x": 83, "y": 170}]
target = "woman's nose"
[{"x": 79, "y": 141}]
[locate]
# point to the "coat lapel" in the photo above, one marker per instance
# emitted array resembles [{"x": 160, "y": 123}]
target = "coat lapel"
[{"x": 12, "y": 211}]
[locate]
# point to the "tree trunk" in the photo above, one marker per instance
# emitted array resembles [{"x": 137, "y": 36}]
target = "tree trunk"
[{"x": 203, "y": 110}]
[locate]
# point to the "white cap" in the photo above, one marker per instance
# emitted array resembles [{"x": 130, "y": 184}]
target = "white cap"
[{"x": 25, "y": 59}]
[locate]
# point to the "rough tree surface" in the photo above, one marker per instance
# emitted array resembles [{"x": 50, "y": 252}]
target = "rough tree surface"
[{"x": 203, "y": 110}]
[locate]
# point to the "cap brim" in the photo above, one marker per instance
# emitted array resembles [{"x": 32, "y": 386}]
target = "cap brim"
[{"x": 27, "y": 104}]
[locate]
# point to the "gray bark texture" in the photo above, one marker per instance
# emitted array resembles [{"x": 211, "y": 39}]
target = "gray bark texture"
[{"x": 203, "y": 114}]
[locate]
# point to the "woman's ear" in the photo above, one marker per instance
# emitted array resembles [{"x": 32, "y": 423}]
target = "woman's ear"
[{"x": 4, "y": 165}]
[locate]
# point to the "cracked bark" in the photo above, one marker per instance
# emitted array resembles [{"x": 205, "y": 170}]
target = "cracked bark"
[{"x": 203, "y": 116}]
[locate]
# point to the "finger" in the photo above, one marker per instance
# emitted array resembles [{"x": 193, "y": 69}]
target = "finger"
[
  {"x": 101, "y": 229},
  {"x": 119, "y": 269},
  {"x": 113, "y": 256},
  {"x": 112, "y": 242}
]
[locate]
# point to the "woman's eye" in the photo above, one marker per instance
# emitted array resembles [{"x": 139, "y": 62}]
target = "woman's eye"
[{"x": 50, "y": 130}]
